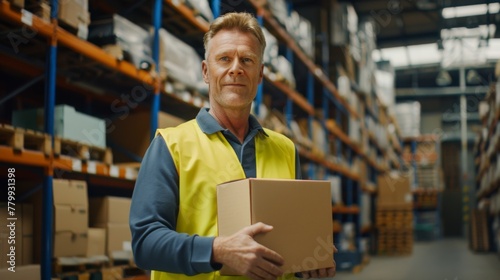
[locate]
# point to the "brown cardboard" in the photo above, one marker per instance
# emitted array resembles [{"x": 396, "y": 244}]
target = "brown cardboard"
[
  {"x": 117, "y": 235},
  {"x": 27, "y": 254},
  {"x": 299, "y": 211},
  {"x": 138, "y": 141},
  {"x": 394, "y": 190},
  {"x": 70, "y": 218},
  {"x": 73, "y": 13},
  {"x": 96, "y": 243},
  {"x": 27, "y": 234},
  {"x": 69, "y": 244},
  {"x": 17, "y": 3},
  {"x": 109, "y": 209},
  {"x": 22, "y": 240},
  {"x": 31, "y": 272}
]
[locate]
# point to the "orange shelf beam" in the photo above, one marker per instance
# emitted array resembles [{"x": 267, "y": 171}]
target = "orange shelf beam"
[
  {"x": 69, "y": 40},
  {"x": 295, "y": 96},
  {"x": 335, "y": 130},
  {"x": 330, "y": 165},
  {"x": 337, "y": 227},
  {"x": 25, "y": 157},
  {"x": 188, "y": 14},
  {"x": 93, "y": 168}
]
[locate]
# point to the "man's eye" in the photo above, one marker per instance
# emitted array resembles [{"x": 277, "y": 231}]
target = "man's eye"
[
  {"x": 246, "y": 59},
  {"x": 224, "y": 58}
]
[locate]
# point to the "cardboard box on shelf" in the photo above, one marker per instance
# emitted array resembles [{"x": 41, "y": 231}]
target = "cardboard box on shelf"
[
  {"x": 22, "y": 230},
  {"x": 394, "y": 190},
  {"x": 17, "y": 3},
  {"x": 74, "y": 13},
  {"x": 31, "y": 272},
  {"x": 96, "y": 242},
  {"x": 132, "y": 133},
  {"x": 70, "y": 218},
  {"x": 118, "y": 237},
  {"x": 109, "y": 209},
  {"x": 300, "y": 207}
]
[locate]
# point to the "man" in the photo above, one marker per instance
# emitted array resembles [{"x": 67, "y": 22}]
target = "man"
[{"x": 173, "y": 217}]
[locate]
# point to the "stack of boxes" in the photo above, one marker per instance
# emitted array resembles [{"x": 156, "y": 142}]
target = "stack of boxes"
[
  {"x": 70, "y": 218},
  {"x": 108, "y": 236},
  {"x": 394, "y": 216},
  {"x": 16, "y": 234},
  {"x": 75, "y": 15},
  {"x": 112, "y": 215}
]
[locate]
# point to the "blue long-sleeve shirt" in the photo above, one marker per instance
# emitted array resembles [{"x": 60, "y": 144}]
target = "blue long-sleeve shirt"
[{"x": 155, "y": 205}]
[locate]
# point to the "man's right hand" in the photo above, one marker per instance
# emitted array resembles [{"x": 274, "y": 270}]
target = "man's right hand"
[{"x": 247, "y": 257}]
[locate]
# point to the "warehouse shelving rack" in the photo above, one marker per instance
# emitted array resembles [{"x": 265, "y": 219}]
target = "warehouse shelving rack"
[
  {"x": 120, "y": 176},
  {"x": 415, "y": 158},
  {"x": 487, "y": 189}
]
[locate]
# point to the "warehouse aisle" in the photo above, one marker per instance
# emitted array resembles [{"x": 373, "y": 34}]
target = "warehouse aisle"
[{"x": 446, "y": 259}]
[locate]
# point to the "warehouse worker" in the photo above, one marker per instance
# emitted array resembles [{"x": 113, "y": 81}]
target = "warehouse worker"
[{"x": 173, "y": 217}]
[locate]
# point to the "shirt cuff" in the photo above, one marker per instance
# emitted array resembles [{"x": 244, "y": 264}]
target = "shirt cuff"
[{"x": 202, "y": 255}]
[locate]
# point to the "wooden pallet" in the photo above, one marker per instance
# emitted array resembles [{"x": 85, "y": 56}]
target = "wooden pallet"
[
  {"x": 394, "y": 219},
  {"x": 25, "y": 139},
  {"x": 99, "y": 267},
  {"x": 403, "y": 207},
  {"x": 479, "y": 231},
  {"x": 82, "y": 151},
  {"x": 75, "y": 265}
]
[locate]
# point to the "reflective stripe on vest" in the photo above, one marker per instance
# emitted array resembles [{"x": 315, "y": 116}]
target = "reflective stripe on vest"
[{"x": 205, "y": 160}]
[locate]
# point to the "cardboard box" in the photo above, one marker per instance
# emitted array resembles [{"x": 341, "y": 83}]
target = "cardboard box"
[
  {"x": 70, "y": 218},
  {"x": 109, "y": 209},
  {"x": 74, "y": 13},
  {"x": 68, "y": 124},
  {"x": 17, "y": 3},
  {"x": 31, "y": 272},
  {"x": 138, "y": 141},
  {"x": 394, "y": 190},
  {"x": 118, "y": 237},
  {"x": 299, "y": 210},
  {"x": 21, "y": 232},
  {"x": 96, "y": 245},
  {"x": 70, "y": 244}
]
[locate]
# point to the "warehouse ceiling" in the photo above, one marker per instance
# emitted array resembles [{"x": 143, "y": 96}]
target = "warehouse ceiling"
[
  {"x": 422, "y": 38},
  {"x": 413, "y": 22}
]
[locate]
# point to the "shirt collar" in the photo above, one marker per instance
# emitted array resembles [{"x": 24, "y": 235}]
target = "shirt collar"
[{"x": 209, "y": 125}]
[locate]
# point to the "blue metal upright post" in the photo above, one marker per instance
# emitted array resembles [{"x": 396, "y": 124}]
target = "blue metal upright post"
[
  {"x": 155, "y": 106},
  {"x": 48, "y": 200},
  {"x": 310, "y": 100},
  {"x": 414, "y": 162},
  {"x": 216, "y": 8},
  {"x": 260, "y": 88},
  {"x": 289, "y": 57}
]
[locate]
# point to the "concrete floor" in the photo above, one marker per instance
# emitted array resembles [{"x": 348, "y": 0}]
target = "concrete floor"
[{"x": 445, "y": 259}]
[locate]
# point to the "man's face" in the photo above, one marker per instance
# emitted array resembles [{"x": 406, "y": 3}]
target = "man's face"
[{"x": 233, "y": 69}]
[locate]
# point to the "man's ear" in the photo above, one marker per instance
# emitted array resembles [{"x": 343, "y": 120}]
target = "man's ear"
[{"x": 204, "y": 71}]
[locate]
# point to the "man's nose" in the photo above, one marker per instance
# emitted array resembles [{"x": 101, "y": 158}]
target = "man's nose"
[{"x": 236, "y": 68}]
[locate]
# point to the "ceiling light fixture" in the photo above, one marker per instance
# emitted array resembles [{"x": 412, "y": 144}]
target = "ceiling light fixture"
[{"x": 443, "y": 78}]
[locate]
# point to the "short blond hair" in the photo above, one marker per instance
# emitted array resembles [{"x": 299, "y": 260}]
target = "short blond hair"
[{"x": 244, "y": 22}]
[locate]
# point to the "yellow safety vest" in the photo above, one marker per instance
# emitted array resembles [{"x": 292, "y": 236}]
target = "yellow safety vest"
[{"x": 204, "y": 161}]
